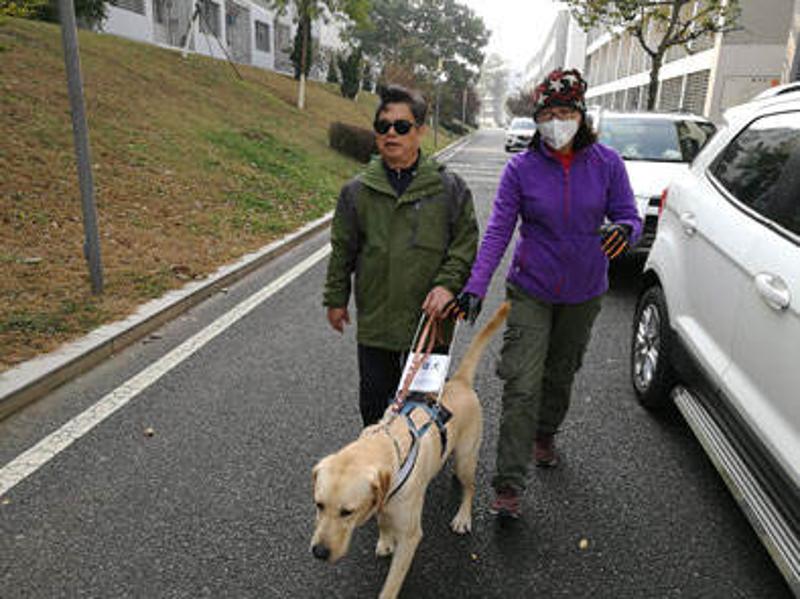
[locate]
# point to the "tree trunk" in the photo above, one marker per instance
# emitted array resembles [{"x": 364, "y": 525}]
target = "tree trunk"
[
  {"x": 301, "y": 94},
  {"x": 652, "y": 89}
]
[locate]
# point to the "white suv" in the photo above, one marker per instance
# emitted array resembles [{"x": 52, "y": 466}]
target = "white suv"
[{"x": 717, "y": 326}]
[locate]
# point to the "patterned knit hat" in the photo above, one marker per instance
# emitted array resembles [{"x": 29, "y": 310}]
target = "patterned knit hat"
[{"x": 560, "y": 88}]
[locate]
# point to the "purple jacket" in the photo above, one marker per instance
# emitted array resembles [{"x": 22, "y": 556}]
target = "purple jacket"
[{"x": 558, "y": 258}]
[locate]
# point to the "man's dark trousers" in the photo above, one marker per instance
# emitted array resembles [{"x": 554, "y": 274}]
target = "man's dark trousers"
[{"x": 379, "y": 372}]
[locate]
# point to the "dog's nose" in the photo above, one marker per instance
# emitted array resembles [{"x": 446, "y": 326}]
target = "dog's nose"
[{"x": 321, "y": 552}]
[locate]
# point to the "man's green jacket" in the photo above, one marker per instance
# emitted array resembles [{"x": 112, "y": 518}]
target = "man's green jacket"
[{"x": 399, "y": 248}]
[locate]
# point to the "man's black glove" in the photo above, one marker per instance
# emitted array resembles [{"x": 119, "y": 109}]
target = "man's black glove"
[
  {"x": 614, "y": 238},
  {"x": 464, "y": 306}
]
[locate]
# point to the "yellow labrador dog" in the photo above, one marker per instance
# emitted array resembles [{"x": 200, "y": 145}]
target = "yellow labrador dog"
[{"x": 352, "y": 485}]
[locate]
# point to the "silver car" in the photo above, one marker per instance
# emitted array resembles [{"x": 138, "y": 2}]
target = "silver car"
[{"x": 519, "y": 133}]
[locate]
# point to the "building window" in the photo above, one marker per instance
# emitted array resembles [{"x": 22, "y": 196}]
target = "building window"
[
  {"x": 670, "y": 98},
  {"x": 209, "y": 17},
  {"x": 136, "y": 6},
  {"x": 262, "y": 37},
  {"x": 159, "y": 10},
  {"x": 632, "y": 100},
  {"x": 694, "y": 99},
  {"x": 619, "y": 100}
]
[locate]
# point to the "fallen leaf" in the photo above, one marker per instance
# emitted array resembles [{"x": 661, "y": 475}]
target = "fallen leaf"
[
  {"x": 149, "y": 432},
  {"x": 583, "y": 544}
]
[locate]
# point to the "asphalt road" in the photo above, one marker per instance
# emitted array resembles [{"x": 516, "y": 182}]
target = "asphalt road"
[{"x": 217, "y": 502}]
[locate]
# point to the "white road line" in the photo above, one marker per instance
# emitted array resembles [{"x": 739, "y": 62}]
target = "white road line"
[{"x": 37, "y": 456}]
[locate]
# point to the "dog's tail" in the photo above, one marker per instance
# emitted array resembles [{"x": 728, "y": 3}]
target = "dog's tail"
[{"x": 469, "y": 363}]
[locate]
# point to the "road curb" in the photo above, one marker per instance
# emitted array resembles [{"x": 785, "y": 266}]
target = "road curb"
[{"x": 35, "y": 378}]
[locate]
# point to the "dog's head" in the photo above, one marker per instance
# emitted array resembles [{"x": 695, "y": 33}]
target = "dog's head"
[{"x": 346, "y": 494}]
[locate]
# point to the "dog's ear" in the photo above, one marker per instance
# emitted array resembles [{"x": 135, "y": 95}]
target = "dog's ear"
[
  {"x": 380, "y": 487},
  {"x": 315, "y": 472}
]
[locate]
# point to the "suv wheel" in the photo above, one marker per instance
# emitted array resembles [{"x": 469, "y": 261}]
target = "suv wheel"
[{"x": 651, "y": 372}]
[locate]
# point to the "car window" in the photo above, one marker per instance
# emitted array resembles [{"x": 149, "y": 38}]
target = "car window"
[
  {"x": 693, "y": 136},
  {"x": 655, "y": 140},
  {"x": 761, "y": 168},
  {"x": 522, "y": 124}
]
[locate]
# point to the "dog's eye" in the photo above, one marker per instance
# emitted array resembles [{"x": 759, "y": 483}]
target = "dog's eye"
[
  {"x": 345, "y": 513},
  {"x": 320, "y": 506}
]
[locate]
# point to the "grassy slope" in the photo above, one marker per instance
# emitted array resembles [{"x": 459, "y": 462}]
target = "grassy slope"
[{"x": 193, "y": 168}]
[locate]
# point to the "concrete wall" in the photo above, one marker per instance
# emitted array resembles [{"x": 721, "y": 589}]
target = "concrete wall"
[
  {"x": 126, "y": 23},
  {"x": 551, "y": 53},
  {"x": 740, "y": 64},
  {"x": 575, "y": 51},
  {"x": 791, "y": 65},
  {"x": 751, "y": 59},
  {"x": 261, "y": 59},
  {"x": 240, "y": 44}
]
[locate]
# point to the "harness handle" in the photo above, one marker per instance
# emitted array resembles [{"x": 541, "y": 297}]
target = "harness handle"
[{"x": 427, "y": 340}]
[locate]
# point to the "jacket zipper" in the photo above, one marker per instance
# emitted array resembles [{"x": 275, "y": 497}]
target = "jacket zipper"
[
  {"x": 565, "y": 169},
  {"x": 566, "y": 192}
]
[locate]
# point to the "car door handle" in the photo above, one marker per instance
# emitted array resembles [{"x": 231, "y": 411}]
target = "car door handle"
[
  {"x": 689, "y": 223},
  {"x": 773, "y": 290}
]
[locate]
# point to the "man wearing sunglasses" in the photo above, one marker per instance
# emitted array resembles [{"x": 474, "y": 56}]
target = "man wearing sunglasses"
[{"x": 406, "y": 229}]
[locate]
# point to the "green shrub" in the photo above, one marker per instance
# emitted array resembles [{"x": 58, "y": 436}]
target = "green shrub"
[
  {"x": 456, "y": 127},
  {"x": 333, "y": 76},
  {"x": 356, "y": 142},
  {"x": 20, "y": 8},
  {"x": 89, "y": 13},
  {"x": 350, "y": 70}
]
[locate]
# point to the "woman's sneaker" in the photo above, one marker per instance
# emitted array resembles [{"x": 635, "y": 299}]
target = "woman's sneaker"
[
  {"x": 506, "y": 503},
  {"x": 544, "y": 451}
]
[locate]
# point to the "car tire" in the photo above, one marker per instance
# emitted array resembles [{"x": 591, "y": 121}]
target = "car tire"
[
  {"x": 652, "y": 375},
  {"x": 508, "y": 148}
]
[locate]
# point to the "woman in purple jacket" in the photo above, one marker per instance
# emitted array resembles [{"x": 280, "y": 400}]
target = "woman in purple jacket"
[{"x": 561, "y": 190}]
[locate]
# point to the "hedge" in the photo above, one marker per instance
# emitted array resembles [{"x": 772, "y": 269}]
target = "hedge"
[{"x": 356, "y": 142}]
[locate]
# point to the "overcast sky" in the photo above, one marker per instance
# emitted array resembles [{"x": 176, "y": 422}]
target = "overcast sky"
[{"x": 517, "y": 26}]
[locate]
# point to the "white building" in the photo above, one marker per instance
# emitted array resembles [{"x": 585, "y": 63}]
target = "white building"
[
  {"x": 251, "y": 31},
  {"x": 563, "y": 46},
  {"x": 791, "y": 67},
  {"x": 722, "y": 70}
]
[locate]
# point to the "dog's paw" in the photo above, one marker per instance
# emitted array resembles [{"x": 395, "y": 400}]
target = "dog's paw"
[
  {"x": 461, "y": 524},
  {"x": 384, "y": 548}
]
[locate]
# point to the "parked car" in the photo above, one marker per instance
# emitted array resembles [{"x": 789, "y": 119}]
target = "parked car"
[
  {"x": 519, "y": 133},
  {"x": 656, "y": 148},
  {"x": 717, "y": 326}
]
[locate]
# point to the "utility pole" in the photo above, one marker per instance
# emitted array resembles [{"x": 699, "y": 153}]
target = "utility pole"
[
  {"x": 91, "y": 245},
  {"x": 436, "y": 118},
  {"x": 436, "y": 111},
  {"x": 464, "y": 105}
]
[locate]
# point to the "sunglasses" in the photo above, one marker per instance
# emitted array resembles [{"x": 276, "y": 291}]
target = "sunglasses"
[{"x": 401, "y": 127}]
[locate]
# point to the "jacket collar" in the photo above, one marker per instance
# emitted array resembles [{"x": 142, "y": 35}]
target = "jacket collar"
[
  {"x": 551, "y": 155},
  {"x": 426, "y": 180}
]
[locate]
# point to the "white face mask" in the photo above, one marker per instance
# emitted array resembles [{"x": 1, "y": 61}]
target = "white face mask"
[{"x": 558, "y": 133}]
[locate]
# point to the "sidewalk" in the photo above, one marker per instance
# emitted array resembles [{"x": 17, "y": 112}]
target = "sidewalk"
[{"x": 35, "y": 378}]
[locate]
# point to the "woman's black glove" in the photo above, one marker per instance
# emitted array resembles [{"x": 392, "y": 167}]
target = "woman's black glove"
[
  {"x": 614, "y": 238},
  {"x": 465, "y": 306}
]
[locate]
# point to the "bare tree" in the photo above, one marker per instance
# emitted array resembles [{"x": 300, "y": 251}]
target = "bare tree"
[{"x": 658, "y": 25}]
